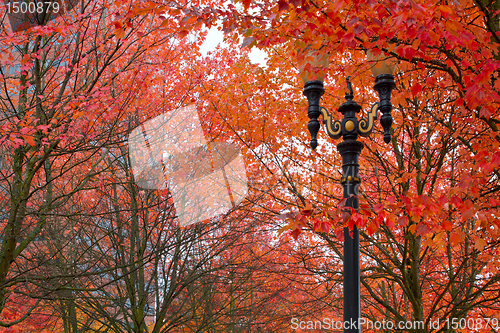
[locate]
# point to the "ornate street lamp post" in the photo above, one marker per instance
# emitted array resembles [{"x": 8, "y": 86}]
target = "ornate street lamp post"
[{"x": 349, "y": 128}]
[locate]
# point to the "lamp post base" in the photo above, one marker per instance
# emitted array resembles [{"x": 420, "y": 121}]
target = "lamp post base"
[
  {"x": 350, "y": 151},
  {"x": 352, "y": 300}
]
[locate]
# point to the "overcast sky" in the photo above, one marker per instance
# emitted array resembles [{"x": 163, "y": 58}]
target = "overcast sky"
[{"x": 215, "y": 37}]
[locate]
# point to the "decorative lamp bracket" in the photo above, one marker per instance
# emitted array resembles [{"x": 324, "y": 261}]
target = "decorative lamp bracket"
[
  {"x": 349, "y": 127},
  {"x": 333, "y": 127},
  {"x": 365, "y": 125}
]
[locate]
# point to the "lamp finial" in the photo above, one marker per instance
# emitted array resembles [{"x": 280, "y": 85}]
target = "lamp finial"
[{"x": 350, "y": 94}]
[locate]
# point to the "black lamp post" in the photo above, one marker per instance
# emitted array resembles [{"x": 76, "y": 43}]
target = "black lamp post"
[{"x": 349, "y": 128}]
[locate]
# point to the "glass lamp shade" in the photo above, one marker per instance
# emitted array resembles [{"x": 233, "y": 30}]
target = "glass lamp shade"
[
  {"x": 381, "y": 64},
  {"x": 314, "y": 64}
]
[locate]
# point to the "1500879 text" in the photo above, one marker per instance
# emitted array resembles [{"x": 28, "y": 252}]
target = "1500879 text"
[{"x": 32, "y": 7}]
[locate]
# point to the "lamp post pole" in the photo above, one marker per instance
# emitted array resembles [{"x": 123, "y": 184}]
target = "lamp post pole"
[{"x": 349, "y": 128}]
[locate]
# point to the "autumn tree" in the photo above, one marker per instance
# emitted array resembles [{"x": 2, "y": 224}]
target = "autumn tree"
[
  {"x": 430, "y": 200},
  {"x": 430, "y": 212},
  {"x": 65, "y": 83}
]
